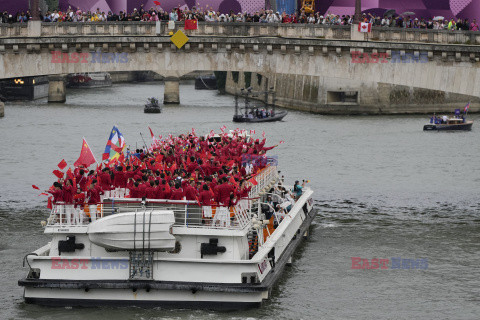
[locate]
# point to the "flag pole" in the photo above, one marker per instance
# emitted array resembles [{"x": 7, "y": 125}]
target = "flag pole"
[
  {"x": 141, "y": 135},
  {"x": 90, "y": 150}
]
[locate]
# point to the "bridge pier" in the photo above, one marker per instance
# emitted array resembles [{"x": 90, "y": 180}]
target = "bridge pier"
[
  {"x": 2, "y": 109},
  {"x": 171, "y": 94},
  {"x": 57, "y": 91}
]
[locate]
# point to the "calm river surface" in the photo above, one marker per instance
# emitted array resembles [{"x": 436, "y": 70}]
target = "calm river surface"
[{"x": 384, "y": 189}]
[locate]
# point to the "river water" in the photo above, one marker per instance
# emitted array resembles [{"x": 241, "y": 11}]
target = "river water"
[{"x": 383, "y": 187}]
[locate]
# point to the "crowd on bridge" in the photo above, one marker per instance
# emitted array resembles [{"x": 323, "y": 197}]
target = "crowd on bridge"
[
  {"x": 210, "y": 170},
  {"x": 261, "y": 16}
]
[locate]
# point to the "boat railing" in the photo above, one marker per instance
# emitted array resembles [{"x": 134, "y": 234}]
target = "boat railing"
[
  {"x": 265, "y": 179},
  {"x": 187, "y": 213}
]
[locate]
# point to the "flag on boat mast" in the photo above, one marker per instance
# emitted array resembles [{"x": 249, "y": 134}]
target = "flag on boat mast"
[
  {"x": 86, "y": 155},
  {"x": 465, "y": 110},
  {"x": 115, "y": 145}
]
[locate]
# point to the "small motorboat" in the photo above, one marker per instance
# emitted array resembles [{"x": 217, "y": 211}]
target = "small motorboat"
[
  {"x": 153, "y": 106},
  {"x": 252, "y": 113},
  {"x": 277, "y": 116},
  {"x": 446, "y": 123}
]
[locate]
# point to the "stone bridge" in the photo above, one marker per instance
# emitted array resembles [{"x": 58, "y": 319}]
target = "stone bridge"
[{"x": 312, "y": 67}]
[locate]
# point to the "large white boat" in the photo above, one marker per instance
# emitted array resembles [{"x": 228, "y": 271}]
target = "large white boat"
[{"x": 167, "y": 253}]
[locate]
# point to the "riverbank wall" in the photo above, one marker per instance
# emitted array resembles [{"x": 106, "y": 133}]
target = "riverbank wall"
[{"x": 338, "y": 96}]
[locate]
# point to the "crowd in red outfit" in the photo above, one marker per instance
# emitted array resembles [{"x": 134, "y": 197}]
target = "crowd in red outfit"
[{"x": 210, "y": 170}]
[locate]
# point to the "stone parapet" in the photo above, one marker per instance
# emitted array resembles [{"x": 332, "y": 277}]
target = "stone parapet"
[{"x": 300, "y": 31}]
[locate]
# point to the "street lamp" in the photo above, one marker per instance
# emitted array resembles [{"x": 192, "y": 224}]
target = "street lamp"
[{"x": 358, "y": 11}]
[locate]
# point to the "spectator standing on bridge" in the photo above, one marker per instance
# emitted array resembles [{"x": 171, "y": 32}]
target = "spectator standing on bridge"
[
  {"x": 451, "y": 25},
  {"x": 173, "y": 15},
  {"x": 474, "y": 25},
  {"x": 22, "y": 17}
]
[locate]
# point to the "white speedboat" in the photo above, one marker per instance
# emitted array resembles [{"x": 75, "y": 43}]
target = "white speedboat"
[{"x": 167, "y": 253}]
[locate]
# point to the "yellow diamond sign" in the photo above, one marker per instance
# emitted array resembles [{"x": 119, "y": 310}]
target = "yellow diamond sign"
[{"x": 179, "y": 39}]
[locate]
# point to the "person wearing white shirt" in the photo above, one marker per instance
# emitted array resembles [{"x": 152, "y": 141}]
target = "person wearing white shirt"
[{"x": 173, "y": 15}]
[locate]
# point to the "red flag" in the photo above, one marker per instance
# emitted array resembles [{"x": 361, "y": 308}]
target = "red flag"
[
  {"x": 121, "y": 159},
  {"x": 157, "y": 3},
  {"x": 62, "y": 164},
  {"x": 70, "y": 174},
  {"x": 253, "y": 181},
  {"x": 35, "y": 187},
  {"x": 58, "y": 173},
  {"x": 43, "y": 194},
  {"x": 364, "y": 27},
  {"x": 151, "y": 132},
  {"x": 173, "y": 167},
  {"x": 49, "y": 203},
  {"x": 86, "y": 156},
  {"x": 191, "y": 24}
]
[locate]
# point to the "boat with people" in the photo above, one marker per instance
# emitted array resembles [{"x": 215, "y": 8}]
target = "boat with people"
[
  {"x": 152, "y": 106},
  {"x": 457, "y": 122},
  {"x": 89, "y": 80},
  {"x": 252, "y": 113},
  {"x": 191, "y": 221},
  {"x": 260, "y": 115}
]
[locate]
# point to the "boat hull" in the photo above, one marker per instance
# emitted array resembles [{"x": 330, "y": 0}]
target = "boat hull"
[
  {"x": 278, "y": 117},
  {"x": 206, "y": 83},
  {"x": 150, "y": 108},
  {"x": 177, "y": 294},
  {"x": 449, "y": 127}
]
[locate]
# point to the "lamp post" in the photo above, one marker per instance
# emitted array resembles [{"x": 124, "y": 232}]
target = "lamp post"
[
  {"x": 358, "y": 11},
  {"x": 35, "y": 15}
]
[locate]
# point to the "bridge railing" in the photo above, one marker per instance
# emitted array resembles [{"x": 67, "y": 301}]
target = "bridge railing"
[{"x": 306, "y": 31}]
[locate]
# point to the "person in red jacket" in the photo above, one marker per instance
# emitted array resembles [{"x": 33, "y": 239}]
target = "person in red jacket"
[
  {"x": 57, "y": 192},
  {"x": 223, "y": 191},
  {"x": 68, "y": 193},
  {"x": 177, "y": 193},
  {"x": 120, "y": 182},
  {"x": 105, "y": 181},
  {"x": 190, "y": 191},
  {"x": 151, "y": 191},
  {"x": 79, "y": 201},
  {"x": 205, "y": 198},
  {"x": 93, "y": 195}
]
